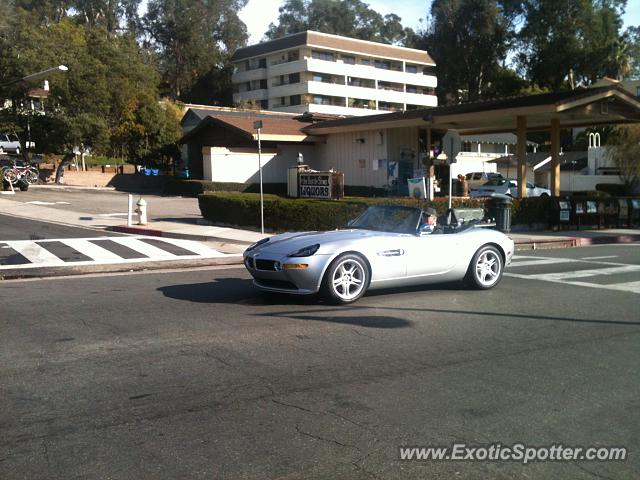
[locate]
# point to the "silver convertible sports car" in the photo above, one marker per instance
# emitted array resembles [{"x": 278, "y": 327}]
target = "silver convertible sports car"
[{"x": 386, "y": 246}]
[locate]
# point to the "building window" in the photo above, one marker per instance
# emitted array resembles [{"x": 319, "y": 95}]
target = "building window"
[
  {"x": 389, "y": 106},
  {"x": 317, "y": 77},
  {"x": 294, "y": 100},
  {"x": 365, "y": 61},
  {"x": 262, "y": 63},
  {"x": 264, "y": 104},
  {"x": 248, "y": 86},
  {"x": 397, "y": 87},
  {"x": 263, "y": 84},
  {"x": 429, "y": 70},
  {"x": 349, "y": 59},
  {"x": 293, "y": 55},
  {"x": 411, "y": 69},
  {"x": 412, "y": 89},
  {"x": 382, "y": 64},
  {"x": 361, "y": 82},
  {"x": 328, "y": 56},
  {"x": 294, "y": 77},
  {"x": 362, "y": 103}
]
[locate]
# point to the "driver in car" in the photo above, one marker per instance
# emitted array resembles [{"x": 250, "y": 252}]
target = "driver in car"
[{"x": 428, "y": 220}]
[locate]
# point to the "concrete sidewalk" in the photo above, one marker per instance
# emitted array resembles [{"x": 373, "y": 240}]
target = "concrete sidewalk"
[{"x": 235, "y": 239}]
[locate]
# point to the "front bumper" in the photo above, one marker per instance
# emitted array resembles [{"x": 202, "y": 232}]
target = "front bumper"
[{"x": 271, "y": 272}]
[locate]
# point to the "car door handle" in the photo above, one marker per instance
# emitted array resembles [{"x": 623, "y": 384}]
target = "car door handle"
[{"x": 391, "y": 253}]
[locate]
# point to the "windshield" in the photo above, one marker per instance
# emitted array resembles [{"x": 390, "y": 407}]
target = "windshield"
[{"x": 389, "y": 219}]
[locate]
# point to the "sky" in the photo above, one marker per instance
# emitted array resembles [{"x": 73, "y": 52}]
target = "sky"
[{"x": 258, "y": 14}]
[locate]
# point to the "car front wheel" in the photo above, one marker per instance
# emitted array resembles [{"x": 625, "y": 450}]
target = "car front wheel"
[
  {"x": 485, "y": 270},
  {"x": 346, "y": 279}
]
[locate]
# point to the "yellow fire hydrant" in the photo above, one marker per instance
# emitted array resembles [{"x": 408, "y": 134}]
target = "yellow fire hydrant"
[{"x": 142, "y": 211}]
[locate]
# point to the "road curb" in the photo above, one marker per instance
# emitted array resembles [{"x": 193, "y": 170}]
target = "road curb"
[
  {"x": 70, "y": 270},
  {"x": 526, "y": 244}
]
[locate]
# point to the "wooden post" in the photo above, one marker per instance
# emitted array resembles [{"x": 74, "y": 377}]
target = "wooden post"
[
  {"x": 522, "y": 156},
  {"x": 555, "y": 157}
]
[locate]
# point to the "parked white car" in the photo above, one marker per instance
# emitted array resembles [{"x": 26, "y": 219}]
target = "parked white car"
[
  {"x": 507, "y": 186},
  {"x": 477, "y": 179},
  {"x": 10, "y": 143}
]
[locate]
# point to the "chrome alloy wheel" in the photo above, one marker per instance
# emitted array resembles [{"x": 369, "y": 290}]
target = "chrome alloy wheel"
[
  {"x": 348, "y": 279},
  {"x": 488, "y": 268}
]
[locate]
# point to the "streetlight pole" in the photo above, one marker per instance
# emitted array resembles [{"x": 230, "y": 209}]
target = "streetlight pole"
[
  {"x": 36, "y": 76},
  {"x": 258, "y": 125}
]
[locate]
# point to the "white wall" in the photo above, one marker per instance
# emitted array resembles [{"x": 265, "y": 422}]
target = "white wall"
[
  {"x": 570, "y": 182},
  {"x": 240, "y": 165}
]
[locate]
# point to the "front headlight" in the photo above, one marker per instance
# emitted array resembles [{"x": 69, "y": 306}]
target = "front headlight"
[
  {"x": 257, "y": 244},
  {"x": 306, "y": 251}
]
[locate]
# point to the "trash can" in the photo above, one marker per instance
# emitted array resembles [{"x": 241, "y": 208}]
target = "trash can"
[
  {"x": 500, "y": 210},
  {"x": 623, "y": 213},
  {"x": 634, "y": 212}
]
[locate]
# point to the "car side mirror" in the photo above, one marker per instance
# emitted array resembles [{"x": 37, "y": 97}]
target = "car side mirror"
[{"x": 350, "y": 223}]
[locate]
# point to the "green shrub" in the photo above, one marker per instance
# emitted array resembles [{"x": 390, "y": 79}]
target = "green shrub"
[
  {"x": 193, "y": 188},
  {"x": 299, "y": 214}
]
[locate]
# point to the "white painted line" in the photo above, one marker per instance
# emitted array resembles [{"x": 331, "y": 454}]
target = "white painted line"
[
  {"x": 587, "y": 273},
  {"x": 34, "y": 252},
  {"x": 629, "y": 287},
  {"x": 143, "y": 247},
  {"x": 541, "y": 261},
  {"x": 194, "y": 247},
  {"x": 91, "y": 250},
  {"x": 599, "y": 258}
]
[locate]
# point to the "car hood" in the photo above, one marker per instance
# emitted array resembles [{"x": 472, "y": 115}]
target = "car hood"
[{"x": 290, "y": 242}]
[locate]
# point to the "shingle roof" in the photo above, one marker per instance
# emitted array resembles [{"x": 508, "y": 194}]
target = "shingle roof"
[{"x": 242, "y": 122}]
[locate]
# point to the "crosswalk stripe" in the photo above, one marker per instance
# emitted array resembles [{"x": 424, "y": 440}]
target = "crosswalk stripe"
[
  {"x": 195, "y": 247},
  {"x": 544, "y": 261},
  {"x": 142, "y": 247},
  {"x": 34, "y": 252},
  {"x": 586, "y": 273},
  {"x": 96, "y": 251},
  {"x": 91, "y": 250},
  {"x": 632, "y": 287}
]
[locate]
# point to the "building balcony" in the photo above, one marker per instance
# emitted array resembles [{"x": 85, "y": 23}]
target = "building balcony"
[
  {"x": 347, "y": 70},
  {"x": 251, "y": 95},
  {"x": 249, "y": 75}
]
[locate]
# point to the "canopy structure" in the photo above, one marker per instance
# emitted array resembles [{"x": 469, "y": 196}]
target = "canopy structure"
[{"x": 550, "y": 111}]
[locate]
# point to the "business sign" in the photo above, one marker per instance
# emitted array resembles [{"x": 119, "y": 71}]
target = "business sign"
[
  {"x": 417, "y": 187},
  {"x": 315, "y": 185}
]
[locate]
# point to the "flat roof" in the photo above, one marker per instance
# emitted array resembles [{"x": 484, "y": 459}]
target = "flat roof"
[
  {"x": 336, "y": 43},
  {"x": 574, "y": 108}
]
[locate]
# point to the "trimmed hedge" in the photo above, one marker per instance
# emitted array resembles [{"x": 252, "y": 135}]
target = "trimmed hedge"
[
  {"x": 193, "y": 188},
  {"x": 299, "y": 214}
]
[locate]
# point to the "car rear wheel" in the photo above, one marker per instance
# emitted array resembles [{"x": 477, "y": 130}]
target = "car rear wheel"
[
  {"x": 346, "y": 279},
  {"x": 485, "y": 269}
]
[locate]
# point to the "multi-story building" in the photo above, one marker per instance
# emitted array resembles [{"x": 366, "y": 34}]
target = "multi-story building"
[{"x": 329, "y": 74}]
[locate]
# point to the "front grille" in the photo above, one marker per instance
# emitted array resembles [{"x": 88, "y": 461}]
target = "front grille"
[
  {"x": 281, "y": 284},
  {"x": 266, "y": 265}
]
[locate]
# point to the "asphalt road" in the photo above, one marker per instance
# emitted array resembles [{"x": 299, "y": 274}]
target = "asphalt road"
[
  {"x": 112, "y": 203},
  {"x": 196, "y": 375},
  {"x": 15, "y": 228}
]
